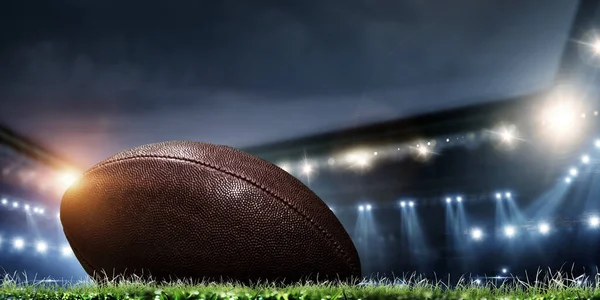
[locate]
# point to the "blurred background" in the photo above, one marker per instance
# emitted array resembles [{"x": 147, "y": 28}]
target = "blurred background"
[{"x": 448, "y": 137}]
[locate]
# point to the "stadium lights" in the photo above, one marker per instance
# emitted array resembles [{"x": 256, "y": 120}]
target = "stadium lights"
[
  {"x": 368, "y": 207},
  {"x": 476, "y": 234},
  {"x": 594, "y": 222},
  {"x": 585, "y": 159},
  {"x": 560, "y": 119},
  {"x": 306, "y": 169},
  {"x": 597, "y": 143},
  {"x": 358, "y": 158},
  {"x": 402, "y": 204},
  {"x": 573, "y": 172},
  {"x": 508, "y": 195},
  {"x": 411, "y": 204},
  {"x": 498, "y": 196},
  {"x": 448, "y": 200},
  {"x": 509, "y": 231},
  {"x": 41, "y": 247},
  {"x": 504, "y": 270},
  {"x": 27, "y": 207},
  {"x": 544, "y": 228},
  {"x": 15, "y": 204},
  {"x": 568, "y": 180},
  {"x": 458, "y": 199},
  {"x": 18, "y": 243},
  {"x": 507, "y": 135},
  {"x": 361, "y": 208},
  {"x": 4, "y": 201}
]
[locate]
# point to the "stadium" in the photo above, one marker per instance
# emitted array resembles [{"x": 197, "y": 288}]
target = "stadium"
[{"x": 491, "y": 191}]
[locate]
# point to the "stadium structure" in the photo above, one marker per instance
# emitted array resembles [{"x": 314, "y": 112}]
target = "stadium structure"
[{"x": 493, "y": 190}]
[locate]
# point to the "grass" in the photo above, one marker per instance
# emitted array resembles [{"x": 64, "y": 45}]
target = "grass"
[{"x": 544, "y": 285}]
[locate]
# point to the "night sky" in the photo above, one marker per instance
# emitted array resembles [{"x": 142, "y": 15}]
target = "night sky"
[{"x": 89, "y": 78}]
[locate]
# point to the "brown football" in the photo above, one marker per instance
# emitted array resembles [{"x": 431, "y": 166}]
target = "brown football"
[{"x": 198, "y": 211}]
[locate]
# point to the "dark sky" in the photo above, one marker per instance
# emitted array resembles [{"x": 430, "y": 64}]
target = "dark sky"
[{"x": 88, "y": 78}]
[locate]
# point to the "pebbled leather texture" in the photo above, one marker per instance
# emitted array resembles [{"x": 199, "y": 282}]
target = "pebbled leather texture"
[{"x": 202, "y": 211}]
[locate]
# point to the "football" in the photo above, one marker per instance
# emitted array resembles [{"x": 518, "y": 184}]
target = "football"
[{"x": 199, "y": 211}]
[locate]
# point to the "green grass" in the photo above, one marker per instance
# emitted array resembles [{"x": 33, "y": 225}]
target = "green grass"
[{"x": 555, "y": 285}]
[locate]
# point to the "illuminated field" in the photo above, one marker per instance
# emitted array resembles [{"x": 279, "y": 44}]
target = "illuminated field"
[{"x": 556, "y": 286}]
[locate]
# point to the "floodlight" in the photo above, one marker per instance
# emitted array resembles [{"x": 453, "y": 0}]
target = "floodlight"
[
  {"x": 573, "y": 172},
  {"x": 560, "y": 119},
  {"x": 506, "y": 135},
  {"x": 41, "y": 247},
  {"x": 306, "y": 169},
  {"x": 18, "y": 243},
  {"x": 544, "y": 228},
  {"x": 585, "y": 159},
  {"x": 509, "y": 231}
]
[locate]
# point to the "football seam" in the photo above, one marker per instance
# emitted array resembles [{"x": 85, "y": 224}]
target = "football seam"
[{"x": 320, "y": 228}]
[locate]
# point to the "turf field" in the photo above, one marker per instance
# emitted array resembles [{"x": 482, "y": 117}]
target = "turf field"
[{"x": 554, "y": 286}]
